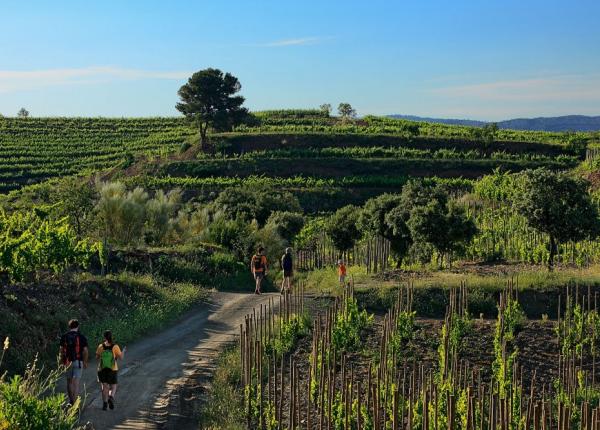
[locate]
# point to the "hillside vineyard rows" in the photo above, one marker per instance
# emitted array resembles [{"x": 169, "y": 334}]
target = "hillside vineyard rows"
[{"x": 35, "y": 149}]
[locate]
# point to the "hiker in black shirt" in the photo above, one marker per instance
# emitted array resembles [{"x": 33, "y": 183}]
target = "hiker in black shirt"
[
  {"x": 287, "y": 265},
  {"x": 74, "y": 355}
]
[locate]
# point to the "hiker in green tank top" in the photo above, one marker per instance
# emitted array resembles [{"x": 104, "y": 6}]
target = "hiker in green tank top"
[{"x": 107, "y": 355}]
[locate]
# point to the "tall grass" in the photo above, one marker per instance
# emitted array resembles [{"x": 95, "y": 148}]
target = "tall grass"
[
  {"x": 30, "y": 402},
  {"x": 161, "y": 304},
  {"x": 224, "y": 408}
]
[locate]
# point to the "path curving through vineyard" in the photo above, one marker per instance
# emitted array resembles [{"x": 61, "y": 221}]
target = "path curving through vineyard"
[{"x": 155, "y": 367}]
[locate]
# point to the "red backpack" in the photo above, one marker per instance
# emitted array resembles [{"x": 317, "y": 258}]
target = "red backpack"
[{"x": 71, "y": 348}]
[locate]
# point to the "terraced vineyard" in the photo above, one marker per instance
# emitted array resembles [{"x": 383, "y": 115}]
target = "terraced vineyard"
[
  {"x": 328, "y": 163},
  {"x": 35, "y": 149},
  {"x": 273, "y": 143},
  {"x": 315, "y": 121}
]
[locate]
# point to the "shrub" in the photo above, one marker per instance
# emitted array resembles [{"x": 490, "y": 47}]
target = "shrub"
[
  {"x": 29, "y": 402},
  {"x": 286, "y": 224},
  {"x": 349, "y": 324},
  {"x": 235, "y": 235}
]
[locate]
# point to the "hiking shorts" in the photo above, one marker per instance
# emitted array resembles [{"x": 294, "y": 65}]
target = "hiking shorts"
[
  {"x": 75, "y": 370},
  {"x": 259, "y": 275},
  {"x": 287, "y": 273},
  {"x": 343, "y": 279},
  {"x": 107, "y": 376}
]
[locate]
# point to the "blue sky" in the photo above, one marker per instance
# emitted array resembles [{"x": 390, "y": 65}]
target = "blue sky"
[{"x": 484, "y": 59}]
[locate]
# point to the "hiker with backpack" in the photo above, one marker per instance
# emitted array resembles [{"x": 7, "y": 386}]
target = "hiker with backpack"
[
  {"x": 287, "y": 265},
  {"x": 107, "y": 355},
  {"x": 341, "y": 273},
  {"x": 258, "y": 266},
  {"x": 73, "y": 355}
]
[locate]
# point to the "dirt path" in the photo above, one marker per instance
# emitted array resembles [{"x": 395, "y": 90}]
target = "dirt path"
[{"x": 155, "y": 367}]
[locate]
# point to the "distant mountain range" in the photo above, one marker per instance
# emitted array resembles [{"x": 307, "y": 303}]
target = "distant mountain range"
[{"x": 558, "y": 123}]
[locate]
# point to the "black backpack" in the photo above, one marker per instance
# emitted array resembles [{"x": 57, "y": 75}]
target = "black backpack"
[
  {"x": 286, "y": 262},
  {"x": 72, "y": 347}
]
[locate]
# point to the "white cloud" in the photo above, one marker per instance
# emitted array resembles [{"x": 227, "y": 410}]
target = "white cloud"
[
  {"x": 292, "y": 42},
  {"x": 19, "y": 80},
  {"x": 561, "y": 88}
]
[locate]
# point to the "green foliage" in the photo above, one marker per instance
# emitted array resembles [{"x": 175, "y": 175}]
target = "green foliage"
[
  {"x": 574, "y": 397},
  {"x": 30, "y": 241},
  {"x": 378, "y": 125},
  {"x": 208, "y": 100},
  {"x": 121, "y": 213},
  {"x": 291, "y": 330},
  {"x": 422, "y": 214},
  {"x": 499, "y": 186},
  {"x": 130, "y": 218},
  {"x": 399, "y": 152},
  {"x": 255, "y": 203},
  {"x": 348, "y": 326},
  {"x": 159, "y": 213},
  {"x": 555, "y": 204},
  {"x": 579, "y": 330},
  {"x": 234, "y": 235},
  {"x": 577, "y": 143},
  {"x": 42, "y": 148},
  {"x": 403, "y": 333},
  {"x": 325, "y": 109},
  {"x": 76, "y": 197},
  {"x": 310, "y": 235},
  {"x": 346, "y": 111},
  {"x": 374, "y": 219},
  {"x": 291, "y": 114},
  {"x": 445, "y": 227},
  {"x": 286, "y": 224},
  {"x": 342, "y": 228},
  {"x": 511, "y": 320},
  {"x": 224, "y": 408},
  {"x": 453, "y": 334},
  {"x": 30, "y": 402}
]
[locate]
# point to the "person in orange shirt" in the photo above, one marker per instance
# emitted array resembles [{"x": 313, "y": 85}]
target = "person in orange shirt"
[
  {"x": 258, "y": 267},
  {"x": 342, "y": 273},
  {"x": 107, "y": 355}
]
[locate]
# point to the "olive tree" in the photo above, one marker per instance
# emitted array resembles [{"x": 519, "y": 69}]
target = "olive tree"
[
  {"x": 342, "y": 228},
  {"x": 383, "y": 216},
  {"x": 286, "y": 224},
  {"x": 445, "y": 227},
  {"x": 558, "y": 205}
]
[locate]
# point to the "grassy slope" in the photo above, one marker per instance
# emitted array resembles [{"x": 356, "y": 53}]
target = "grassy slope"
[{"x": 539, "y": 289}]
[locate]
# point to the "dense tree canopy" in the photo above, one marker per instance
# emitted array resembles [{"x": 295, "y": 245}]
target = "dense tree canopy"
[
  {"x": 286, "y": 224},
  {"x": 208, "y": 99},
  {"x": 558, "y": 205},
  {"x": 248, "y": 204},
  {"x": 445, "y": 227},
  {"x": 342, "y": 228},
  {"x": 374, "y": 219}
]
